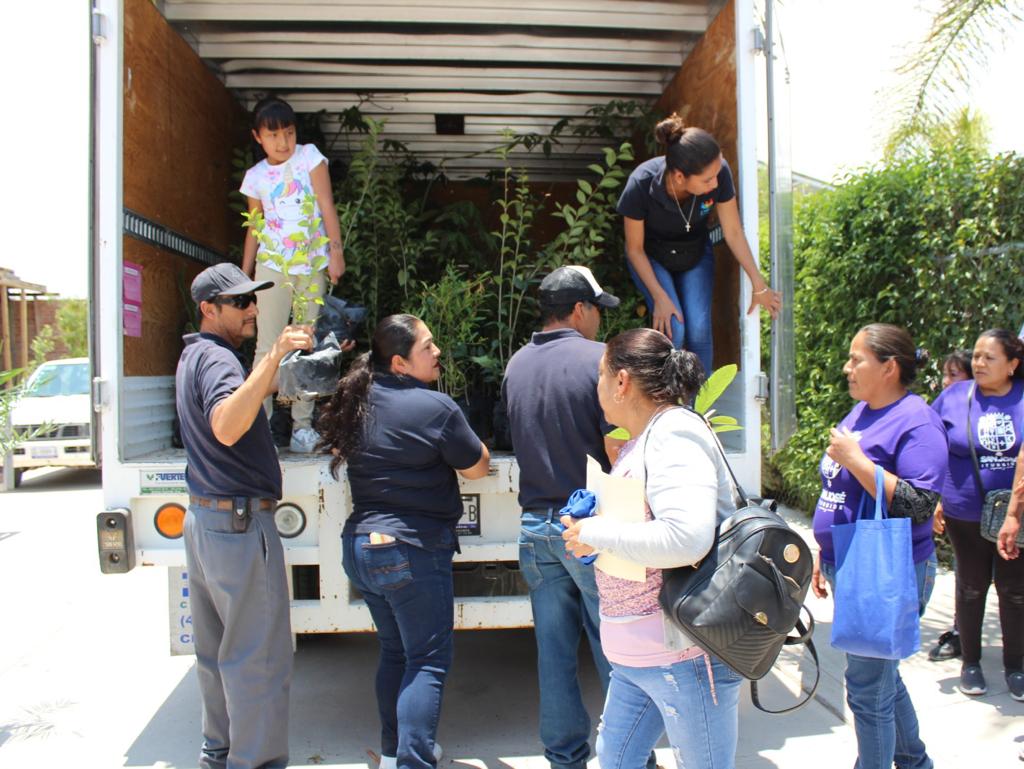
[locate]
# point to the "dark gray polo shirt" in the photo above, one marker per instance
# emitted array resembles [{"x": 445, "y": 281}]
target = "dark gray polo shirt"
[
  {"x": 402, "y": 478},
  {"x": 209, "y": 370},
  {"x": 645, "y": 198},
  {"x": 550, "y": 393}
]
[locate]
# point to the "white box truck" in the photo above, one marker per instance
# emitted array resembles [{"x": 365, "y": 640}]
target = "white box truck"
[{"x": 171, "y": 85}]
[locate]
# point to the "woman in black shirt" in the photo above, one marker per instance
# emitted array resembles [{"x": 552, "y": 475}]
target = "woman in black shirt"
[{"x": 403, "y": 444}]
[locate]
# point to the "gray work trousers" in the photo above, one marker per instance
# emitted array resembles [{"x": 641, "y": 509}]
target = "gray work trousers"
[{"x": 243, "y": 639}]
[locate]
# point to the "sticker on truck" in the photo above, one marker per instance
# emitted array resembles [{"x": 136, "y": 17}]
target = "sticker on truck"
[{"x": 162, "y": 482}]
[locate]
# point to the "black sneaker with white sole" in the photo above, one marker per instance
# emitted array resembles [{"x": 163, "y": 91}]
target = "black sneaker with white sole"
[
  {"x": 972, "y": 681},
  {"x": 947, "y": 648},
  {"x": 1015, "y": 683}
]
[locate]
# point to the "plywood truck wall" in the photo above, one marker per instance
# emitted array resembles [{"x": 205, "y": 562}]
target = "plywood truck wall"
[
  {"x": 704, "y": 93},
  {"x": 180, "y": 127}
]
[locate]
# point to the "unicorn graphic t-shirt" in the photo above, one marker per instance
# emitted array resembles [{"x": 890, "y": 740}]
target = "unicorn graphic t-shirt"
[
  {"x": 996, "y": 421},
  {"x": 281, "y": 189}
]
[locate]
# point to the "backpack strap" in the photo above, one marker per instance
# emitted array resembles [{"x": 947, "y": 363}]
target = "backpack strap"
[
  {"x": 804, "y": 638},
  {"x": 970, "y": 442}
]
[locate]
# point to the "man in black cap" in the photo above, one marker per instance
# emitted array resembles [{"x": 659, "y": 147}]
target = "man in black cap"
[
  {"x": 550, "y": 393},
  {"x": 236, "y": 572}
]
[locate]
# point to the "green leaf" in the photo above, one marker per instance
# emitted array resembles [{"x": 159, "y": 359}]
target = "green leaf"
[
  {"x": 723, "y": 419},
  {"x": 726, "y": 428},
  {"x": 714, "y": 387},
  {"x": 619, "y": 434},
  {"x": 609, "y": 157},
  {"x": 586, "y": 187}
]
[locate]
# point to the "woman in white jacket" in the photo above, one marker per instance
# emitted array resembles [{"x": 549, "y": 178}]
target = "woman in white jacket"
[{"x": 660, "y": 680}]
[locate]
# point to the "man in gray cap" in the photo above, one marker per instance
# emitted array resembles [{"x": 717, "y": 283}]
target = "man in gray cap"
[
  {"x": 550, "y": 393},
  {"x": 236, "y": 572}
]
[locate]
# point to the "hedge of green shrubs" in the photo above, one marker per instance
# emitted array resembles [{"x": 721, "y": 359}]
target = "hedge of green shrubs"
[{"x": 934, "y": 243}]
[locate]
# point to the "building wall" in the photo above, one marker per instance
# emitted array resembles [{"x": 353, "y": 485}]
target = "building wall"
[{"x": 41, "y": 312}]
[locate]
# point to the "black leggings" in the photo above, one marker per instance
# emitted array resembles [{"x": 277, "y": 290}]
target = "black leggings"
[{"x": 976, "y": 563}]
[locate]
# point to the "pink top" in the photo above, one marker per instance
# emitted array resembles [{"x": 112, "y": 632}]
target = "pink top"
[{"x": 632, "y": 623}]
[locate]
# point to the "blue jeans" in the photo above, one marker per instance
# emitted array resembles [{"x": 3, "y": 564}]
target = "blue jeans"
[
  {"x": 563, "y": 595},
  {"x": 409, "y": 593},
  {"x": 883, "y": 715},
  {"x": 676, "y": 699},
  {"x": 690, "y": 292}
]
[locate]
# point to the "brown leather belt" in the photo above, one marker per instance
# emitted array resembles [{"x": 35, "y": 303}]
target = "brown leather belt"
[{"x": 229, "y": 504}]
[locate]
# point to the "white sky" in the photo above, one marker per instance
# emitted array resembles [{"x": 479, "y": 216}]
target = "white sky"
[{"x": 840, "y": 54}]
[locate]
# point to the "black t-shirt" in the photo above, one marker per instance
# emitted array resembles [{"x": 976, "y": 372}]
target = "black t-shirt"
[
  {"x": 645, "y": 198},
  {"x": 402, "y": 477},
  {"x": 550, "y": 394},
  {"x": 210, "y": 370}
]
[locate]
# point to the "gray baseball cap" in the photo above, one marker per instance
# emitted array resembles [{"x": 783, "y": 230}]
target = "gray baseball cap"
[
  {"x": 224, "y": 279},
  {"x": 571, "y": 284}
]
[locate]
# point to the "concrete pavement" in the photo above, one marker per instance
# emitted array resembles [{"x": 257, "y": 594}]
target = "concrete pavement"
[{"x": 85, "y": 678}]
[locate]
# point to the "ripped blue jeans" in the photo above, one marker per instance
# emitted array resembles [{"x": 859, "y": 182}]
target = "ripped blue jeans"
[{"x": 699, "y": 714}]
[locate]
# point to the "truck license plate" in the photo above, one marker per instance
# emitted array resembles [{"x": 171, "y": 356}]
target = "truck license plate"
[
  {"x": 469, "y": 523},
  {"x": 44, "y": 452}
]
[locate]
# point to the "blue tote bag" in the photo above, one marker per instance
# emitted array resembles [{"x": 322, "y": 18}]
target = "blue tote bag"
[{"x": 876, "y": 597}]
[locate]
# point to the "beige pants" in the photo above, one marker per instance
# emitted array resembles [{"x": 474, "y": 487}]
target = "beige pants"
[{"x": 275, "y": 308}]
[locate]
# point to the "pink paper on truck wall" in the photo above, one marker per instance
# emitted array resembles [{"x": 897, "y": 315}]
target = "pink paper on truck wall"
[
  {"x": 131, "y": 283},
  {"x": 132, "y": 319}
]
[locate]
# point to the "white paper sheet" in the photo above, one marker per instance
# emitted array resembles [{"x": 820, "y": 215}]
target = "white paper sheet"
[{"x": 621, "y": 500}]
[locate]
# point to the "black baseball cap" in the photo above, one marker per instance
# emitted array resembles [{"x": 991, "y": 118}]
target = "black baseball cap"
[
  {"x": 573, "y": 283},
  {"x": 224, "y": 279}
]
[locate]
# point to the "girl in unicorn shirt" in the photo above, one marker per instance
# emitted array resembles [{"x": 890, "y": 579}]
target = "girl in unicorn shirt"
[{"x": 277, "y": 186}]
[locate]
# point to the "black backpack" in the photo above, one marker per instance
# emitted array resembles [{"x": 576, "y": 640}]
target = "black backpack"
[{"x": 742, "y": 600}]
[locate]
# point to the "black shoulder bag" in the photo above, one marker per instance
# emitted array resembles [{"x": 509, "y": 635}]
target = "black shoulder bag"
[
  {"x": 993, "y": 508},
  {"x": 741, "y": 601}
]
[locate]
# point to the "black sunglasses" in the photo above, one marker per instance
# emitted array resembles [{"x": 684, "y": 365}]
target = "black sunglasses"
[{"x": 242, "y": 301}]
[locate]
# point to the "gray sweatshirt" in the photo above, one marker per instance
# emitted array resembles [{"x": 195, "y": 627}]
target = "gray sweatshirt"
[{"x": 688, "y": 489}]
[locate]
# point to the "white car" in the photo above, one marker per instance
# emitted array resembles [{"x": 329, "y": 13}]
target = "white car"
[{"x": 56, "y": 395}]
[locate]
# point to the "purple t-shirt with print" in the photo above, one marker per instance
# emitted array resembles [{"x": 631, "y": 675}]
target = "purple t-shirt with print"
[
  {"x": 905, "y": 438},
  {"x": 997, "y": 422}
]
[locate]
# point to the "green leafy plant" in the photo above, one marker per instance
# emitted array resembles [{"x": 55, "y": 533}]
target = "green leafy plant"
[
  {"x": 451, "y": 308},
  {"x": 307, "y": 240},
  {"x": 11, "y": 390},
  {"x": 933, "y": 243},
  {"x": 709, "y": 392}
]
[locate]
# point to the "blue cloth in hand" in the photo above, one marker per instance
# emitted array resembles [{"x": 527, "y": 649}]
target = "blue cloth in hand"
[{"x": 582, "y": 504}]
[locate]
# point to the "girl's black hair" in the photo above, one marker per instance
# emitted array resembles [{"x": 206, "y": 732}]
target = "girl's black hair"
[
  {"x": 889, "y": 342},
  {"x": 343, "y": 419},
  {"x": 687, "y": 149},
  {"x": 961, "y": 359},
  {"x": 272, "y": 113},
  {"x": 1012, "y": 346},
  {"x": 661, "y": 372}
]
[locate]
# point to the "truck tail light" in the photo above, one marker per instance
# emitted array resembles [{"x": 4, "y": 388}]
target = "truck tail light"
[
  {"x": 170, "y": 520},
  {"x": 115, "y": 540},
  {"x": 290, "y": 520}
]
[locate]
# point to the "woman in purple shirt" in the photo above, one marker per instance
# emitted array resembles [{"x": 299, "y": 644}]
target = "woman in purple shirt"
[
  {"x": 893, "y": 428},
  {"x": 996, "y": 402}
]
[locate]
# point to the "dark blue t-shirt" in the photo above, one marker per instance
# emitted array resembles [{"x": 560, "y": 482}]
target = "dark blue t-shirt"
[
  {"x": 644, "y": 197},
  {"x": 550, "y": 394},
  {"x": 402, "y": 477},
  {"x": 210, "y": 370}
]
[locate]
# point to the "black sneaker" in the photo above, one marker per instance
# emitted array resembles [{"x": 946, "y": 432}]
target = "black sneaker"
[
  {"x": 1015, "y": 683},
  {"x": 972, "y": 681},
  {"x": 947, "y": 648}
]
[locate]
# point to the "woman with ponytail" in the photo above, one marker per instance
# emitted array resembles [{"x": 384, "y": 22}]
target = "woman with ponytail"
[
  {"x": 660, "y": 683},
  {"x": 666, "y": 206},
  {"x": 403, "y": 445},
  {"x": 892, "y": 428},
  {"x": 993, "y": 405}
]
